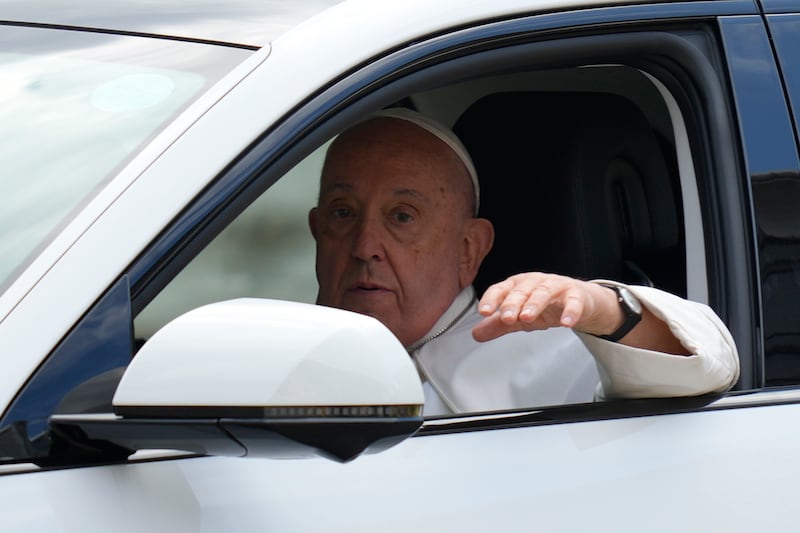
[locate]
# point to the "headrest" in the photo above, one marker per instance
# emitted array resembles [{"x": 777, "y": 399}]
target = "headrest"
[{"x": 575, "y": 183}]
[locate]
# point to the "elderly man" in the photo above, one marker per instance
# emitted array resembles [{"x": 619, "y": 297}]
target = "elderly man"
[{"x": 398, "y": 239}]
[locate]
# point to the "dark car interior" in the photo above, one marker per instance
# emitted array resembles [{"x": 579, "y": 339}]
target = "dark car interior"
[{"x": 594, "y": 190}]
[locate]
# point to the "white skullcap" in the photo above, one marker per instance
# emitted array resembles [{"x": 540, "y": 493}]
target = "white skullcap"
[{"x": 442, "y": 132}]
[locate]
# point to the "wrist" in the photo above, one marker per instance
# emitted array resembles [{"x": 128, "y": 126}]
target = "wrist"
[{"x": 628, "y": 312}]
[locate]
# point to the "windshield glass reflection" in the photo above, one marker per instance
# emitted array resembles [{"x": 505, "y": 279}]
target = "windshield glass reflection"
[{"x": 74, "y": 111}]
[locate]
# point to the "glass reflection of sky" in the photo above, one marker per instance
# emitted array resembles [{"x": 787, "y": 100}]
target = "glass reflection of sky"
[
  {"x": 250, "y": 22},
  {"x": 71, "y": 116}
]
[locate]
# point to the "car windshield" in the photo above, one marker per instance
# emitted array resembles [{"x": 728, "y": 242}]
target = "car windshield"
[{"x": 76, "y": 106}]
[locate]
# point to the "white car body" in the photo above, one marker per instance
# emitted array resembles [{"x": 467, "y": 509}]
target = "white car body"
[{"x": 691, "y": 465}]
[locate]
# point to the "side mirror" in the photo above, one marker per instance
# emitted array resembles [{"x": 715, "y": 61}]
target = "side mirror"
[{"x": 262, "y": 378}]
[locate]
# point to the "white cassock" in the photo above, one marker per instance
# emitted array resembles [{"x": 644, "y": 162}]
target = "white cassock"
[{"x": 559, "y": 365}]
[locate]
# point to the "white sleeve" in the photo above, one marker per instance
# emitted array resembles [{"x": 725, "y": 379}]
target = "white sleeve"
[{"x": 627, "y": 372}]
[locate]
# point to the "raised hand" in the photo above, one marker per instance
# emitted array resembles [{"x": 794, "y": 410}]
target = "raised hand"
[{"x": 535, "y": 300}]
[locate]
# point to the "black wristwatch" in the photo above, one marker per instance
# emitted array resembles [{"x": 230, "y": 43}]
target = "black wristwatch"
[{"x": 631, "y": 308}]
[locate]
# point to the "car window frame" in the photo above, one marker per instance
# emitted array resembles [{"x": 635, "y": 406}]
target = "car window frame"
[
  {"x": 337, "y": 105},
  {"x": 446, "y": 58}
]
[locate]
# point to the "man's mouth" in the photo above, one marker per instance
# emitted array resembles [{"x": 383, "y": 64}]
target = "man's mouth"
[{"x": 367, "y": 287}]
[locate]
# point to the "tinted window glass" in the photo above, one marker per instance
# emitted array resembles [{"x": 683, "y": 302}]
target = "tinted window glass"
[{"x": 776, "y": 197}]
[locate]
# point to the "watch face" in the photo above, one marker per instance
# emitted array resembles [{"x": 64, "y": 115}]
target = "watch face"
[{"x": 630, "y": 301}]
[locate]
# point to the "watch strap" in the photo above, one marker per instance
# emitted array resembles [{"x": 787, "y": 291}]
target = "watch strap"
[{"x": 632, "y": 317}]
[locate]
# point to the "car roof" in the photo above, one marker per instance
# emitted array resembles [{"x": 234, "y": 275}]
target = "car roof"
[{"x": 245, "y": 22}]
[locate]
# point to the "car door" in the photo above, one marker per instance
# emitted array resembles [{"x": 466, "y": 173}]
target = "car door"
[{"x": 690, "y": 463}]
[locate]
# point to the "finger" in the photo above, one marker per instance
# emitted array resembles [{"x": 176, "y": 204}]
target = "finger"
[
  {"x": 494, "y": 295},
  {"x": 513, "y": 303},
  {"x": 492, "y": 327},
  {"x": 574, "y": 301},
  {"x": 540, "y": 298}
]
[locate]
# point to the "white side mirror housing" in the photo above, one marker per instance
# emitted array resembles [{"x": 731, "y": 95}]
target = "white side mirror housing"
[{"x": 256, "y": 377}]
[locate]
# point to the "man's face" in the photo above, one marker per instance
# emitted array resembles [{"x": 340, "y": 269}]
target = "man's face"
[{"x": 390, "y": 226}]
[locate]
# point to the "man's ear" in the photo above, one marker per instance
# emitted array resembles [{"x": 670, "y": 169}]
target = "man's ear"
[
  {"x": 478, "y": 240},
  {"x": 312, "y": 222}
]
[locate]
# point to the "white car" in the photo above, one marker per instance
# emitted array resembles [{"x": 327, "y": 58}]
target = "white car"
[{"x": 157, "y": 163}]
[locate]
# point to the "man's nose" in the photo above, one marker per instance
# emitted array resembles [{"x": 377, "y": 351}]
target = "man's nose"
[{"x": 368, "y": 240}]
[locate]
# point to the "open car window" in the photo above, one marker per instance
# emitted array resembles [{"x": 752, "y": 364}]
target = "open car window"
[
  {"x": 598, "y": 154},
  {"x": 266, "y": 252}
]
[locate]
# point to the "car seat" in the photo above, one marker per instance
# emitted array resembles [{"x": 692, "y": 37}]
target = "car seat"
[{"x": 576, "y": 184}]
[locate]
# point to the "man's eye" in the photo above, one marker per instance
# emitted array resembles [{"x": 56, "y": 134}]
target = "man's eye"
[
  {"x": 403, "y": 217},
  {"x": 340, "y": 212}
]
